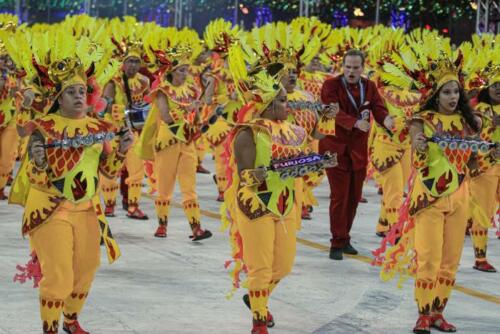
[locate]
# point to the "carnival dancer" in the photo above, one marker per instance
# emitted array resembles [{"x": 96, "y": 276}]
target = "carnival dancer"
[
  {"x": 291, "y": 48},
  {"x": 261, "y": 203},
  {"x": 484, "y": 183},
  {"x": 126, "y": 94},
  {"x": 8, "y": 133},
  {"x": 200, "y": 69},
  {"x": 390, "y": 151},
  {"x": 68, "y": 150},
  {"x": 168, "y": 135},
  {"x": 357, "y": 98},
  {"x": 219, "y": 35},
  {"x": 430, "y": 234}
]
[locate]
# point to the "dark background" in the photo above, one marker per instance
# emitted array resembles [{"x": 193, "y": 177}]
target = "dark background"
[{"x": 453, "y": 18}]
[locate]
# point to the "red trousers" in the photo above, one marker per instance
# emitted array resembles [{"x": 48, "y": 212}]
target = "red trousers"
[{"x": 345, "y": 193}]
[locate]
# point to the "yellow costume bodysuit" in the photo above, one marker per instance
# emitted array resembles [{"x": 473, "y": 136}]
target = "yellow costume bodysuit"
[
  {"x": 63, "y": 204},
  {"x": 484, "y": 185},
  {"x": 390, "y": 155},
  {"x": 139, "y": 89}
]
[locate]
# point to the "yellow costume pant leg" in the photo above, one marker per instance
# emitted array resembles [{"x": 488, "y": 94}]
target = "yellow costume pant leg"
[
  {"x": 9, "y": 143},
  {"x": 68, "y": 265},
  {"x": 186, "y": 174},
  {"x": 149, "y": 170},
  {"x": 220, "y": 168},
  {"x": 109, "y": 189},
  {"x": 135, "y": 168},
  {"x": 269, "y": 253},
  {"x": 166, "y": 165},
  {"x": 483, "y": 191},
  {"x": 439, "y": 238},
  {"x": 312, "y": 181},
  {"x": 392, "y": 181},
  {"x": 201, "y": 149},
  {"x": 299, "y": 200}
]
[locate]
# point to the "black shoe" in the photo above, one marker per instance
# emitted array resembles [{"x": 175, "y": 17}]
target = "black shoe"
[
  {"x": 246, "y": 300},
  {"x": 380, "y": 234},
  {"x": 348, "y": 249},
  {"x": 336, "y": 254},
  {"x": 125, "y": 206}
]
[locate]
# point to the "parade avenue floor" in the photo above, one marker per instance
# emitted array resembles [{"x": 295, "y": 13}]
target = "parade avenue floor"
[{"x": 176, "y": 286}]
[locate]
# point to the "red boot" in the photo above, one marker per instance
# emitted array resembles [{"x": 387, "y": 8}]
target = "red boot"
[
  {"x": 439, "y": 323},
  {"x": 423, "y": 325},
  {"x": 74, "y": 328},
  {"x": 305, "y": 213},
  {"x": 270, "y": 318},
  {"x": 259, "y": 327},
  {"x": 2, "y": 195},
  {"x": 484, "y": 266},
  {"x": 109, "y": 211},
  {"x": 161, "y": 231},
  {"x": 220, "y": 198},
  {"x": 134, "y": 212}
]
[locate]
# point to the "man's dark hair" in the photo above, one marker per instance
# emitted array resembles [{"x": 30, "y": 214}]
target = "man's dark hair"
[
  {"x": 484, "y": 96},
  {"x": 354, "y": 52}
]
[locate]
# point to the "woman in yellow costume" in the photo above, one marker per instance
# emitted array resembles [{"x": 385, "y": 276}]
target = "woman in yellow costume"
[
  {"x": 200, "y": 71},
  {"x": 430, "y": 233},
  {"x": 261, "y": 203},
  {"x": 168, "y": 136},
  {"x": 9, "y": 85},
  {"x": 219, "y": 35},
  {"x": 68, "y": 150},
  {"x": 124, "y": 93},
  {"x": 484, "y": 184},
  {"x": 291, "y": 48},
  {"x": 390, "y": 152},
  {"x": 8, "y": 133}
]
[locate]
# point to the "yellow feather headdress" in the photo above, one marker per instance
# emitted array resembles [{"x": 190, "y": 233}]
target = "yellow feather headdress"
[
  {"x": 126, "y": 36},
  {"x": 171, "y": 48},
  {"x": 8, "y": 22},
  {"x": 482, "y": 61},
  {"x": 421, "y": 68},
  {"x": 220, "y": 35},
  {"x": 278, "y": 46},
  {"x": 342, "y": 40},
  {"x": 258, "y": 88}
]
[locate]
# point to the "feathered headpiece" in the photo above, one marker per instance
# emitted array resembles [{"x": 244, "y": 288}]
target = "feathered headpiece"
[
  {"x": 342, "y": 40},
  {"x": 220, "y": 35},
  {"x": 278, "y": 46},
  {"x": 171, "y": 48},
  {"x": 126, "y": 37},
  {"x": 8, "y": 22},
  {"x": 60, "y": 60},
  {"x": 424, "y": 66},
  {"x": 482, "y": 61},
  {"x": 258, "y": 88}
]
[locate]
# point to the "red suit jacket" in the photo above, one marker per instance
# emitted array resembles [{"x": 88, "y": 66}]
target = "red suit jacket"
[{"x": 350, "y": 144}]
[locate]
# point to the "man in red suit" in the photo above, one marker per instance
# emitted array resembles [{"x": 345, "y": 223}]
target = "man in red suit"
[{"x": 356, "y": 99}]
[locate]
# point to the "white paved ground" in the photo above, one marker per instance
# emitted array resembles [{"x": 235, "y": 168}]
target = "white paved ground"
[{"x": 176, "y": 286}]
